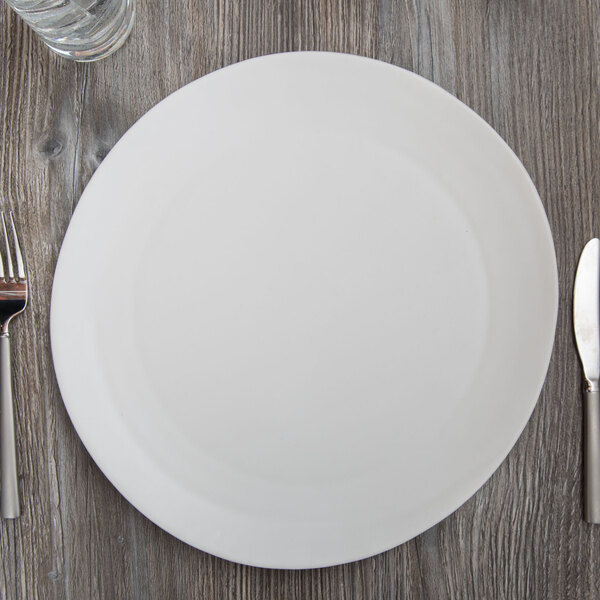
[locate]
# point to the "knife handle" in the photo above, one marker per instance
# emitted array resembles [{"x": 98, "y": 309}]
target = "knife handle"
[{"x": 591, "y": 456}]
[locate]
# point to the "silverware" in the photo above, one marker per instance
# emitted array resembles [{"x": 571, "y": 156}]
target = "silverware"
[
  {"x": 586, "y": 320},
  {"x": 13, "y": 299}
]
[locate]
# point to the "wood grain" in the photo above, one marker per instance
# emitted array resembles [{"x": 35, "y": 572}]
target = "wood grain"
[{"x": 530, "y": 68}]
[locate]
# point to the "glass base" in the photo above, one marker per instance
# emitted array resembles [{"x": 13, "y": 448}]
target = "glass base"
[{"x": 102, "y": 48}]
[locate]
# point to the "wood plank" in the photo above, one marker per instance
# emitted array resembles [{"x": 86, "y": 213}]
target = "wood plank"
[{"x": 529, "y": 68}]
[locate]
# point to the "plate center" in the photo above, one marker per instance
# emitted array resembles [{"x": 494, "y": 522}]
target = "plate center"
[{"x": 317, "y": 331}]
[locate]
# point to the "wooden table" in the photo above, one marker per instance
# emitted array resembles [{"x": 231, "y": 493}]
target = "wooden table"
[{"x": 530, "y": 68}]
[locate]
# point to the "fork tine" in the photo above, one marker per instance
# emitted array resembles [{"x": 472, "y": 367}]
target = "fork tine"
[
  {"x": 1, "y": 267},
  {"x": 11, "y": 273},
  {"x": 20, "y": 263}
]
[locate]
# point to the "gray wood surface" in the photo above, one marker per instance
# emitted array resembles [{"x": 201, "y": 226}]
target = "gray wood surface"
[{"x": 529, "y": 67}]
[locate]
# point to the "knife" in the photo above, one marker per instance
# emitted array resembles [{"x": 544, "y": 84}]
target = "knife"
[{"x": 586, "y": 320}]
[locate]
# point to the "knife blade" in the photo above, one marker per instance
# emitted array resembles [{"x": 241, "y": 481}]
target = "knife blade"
[{"x": 586, "y": 321}]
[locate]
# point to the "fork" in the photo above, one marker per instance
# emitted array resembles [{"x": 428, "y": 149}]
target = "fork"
[{"x": 13, "y": 299}]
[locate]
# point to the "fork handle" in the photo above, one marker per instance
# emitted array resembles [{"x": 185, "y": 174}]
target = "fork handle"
[{"x": 9, "y": 494}]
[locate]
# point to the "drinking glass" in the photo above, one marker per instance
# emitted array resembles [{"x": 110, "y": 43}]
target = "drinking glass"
[{"x": 82, "y": 30}]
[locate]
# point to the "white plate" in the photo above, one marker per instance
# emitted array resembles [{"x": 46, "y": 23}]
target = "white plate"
[{"x": 304, "y": 309}]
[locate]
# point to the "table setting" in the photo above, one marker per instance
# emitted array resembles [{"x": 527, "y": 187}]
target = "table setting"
[{"x": 304, "y": 300}]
